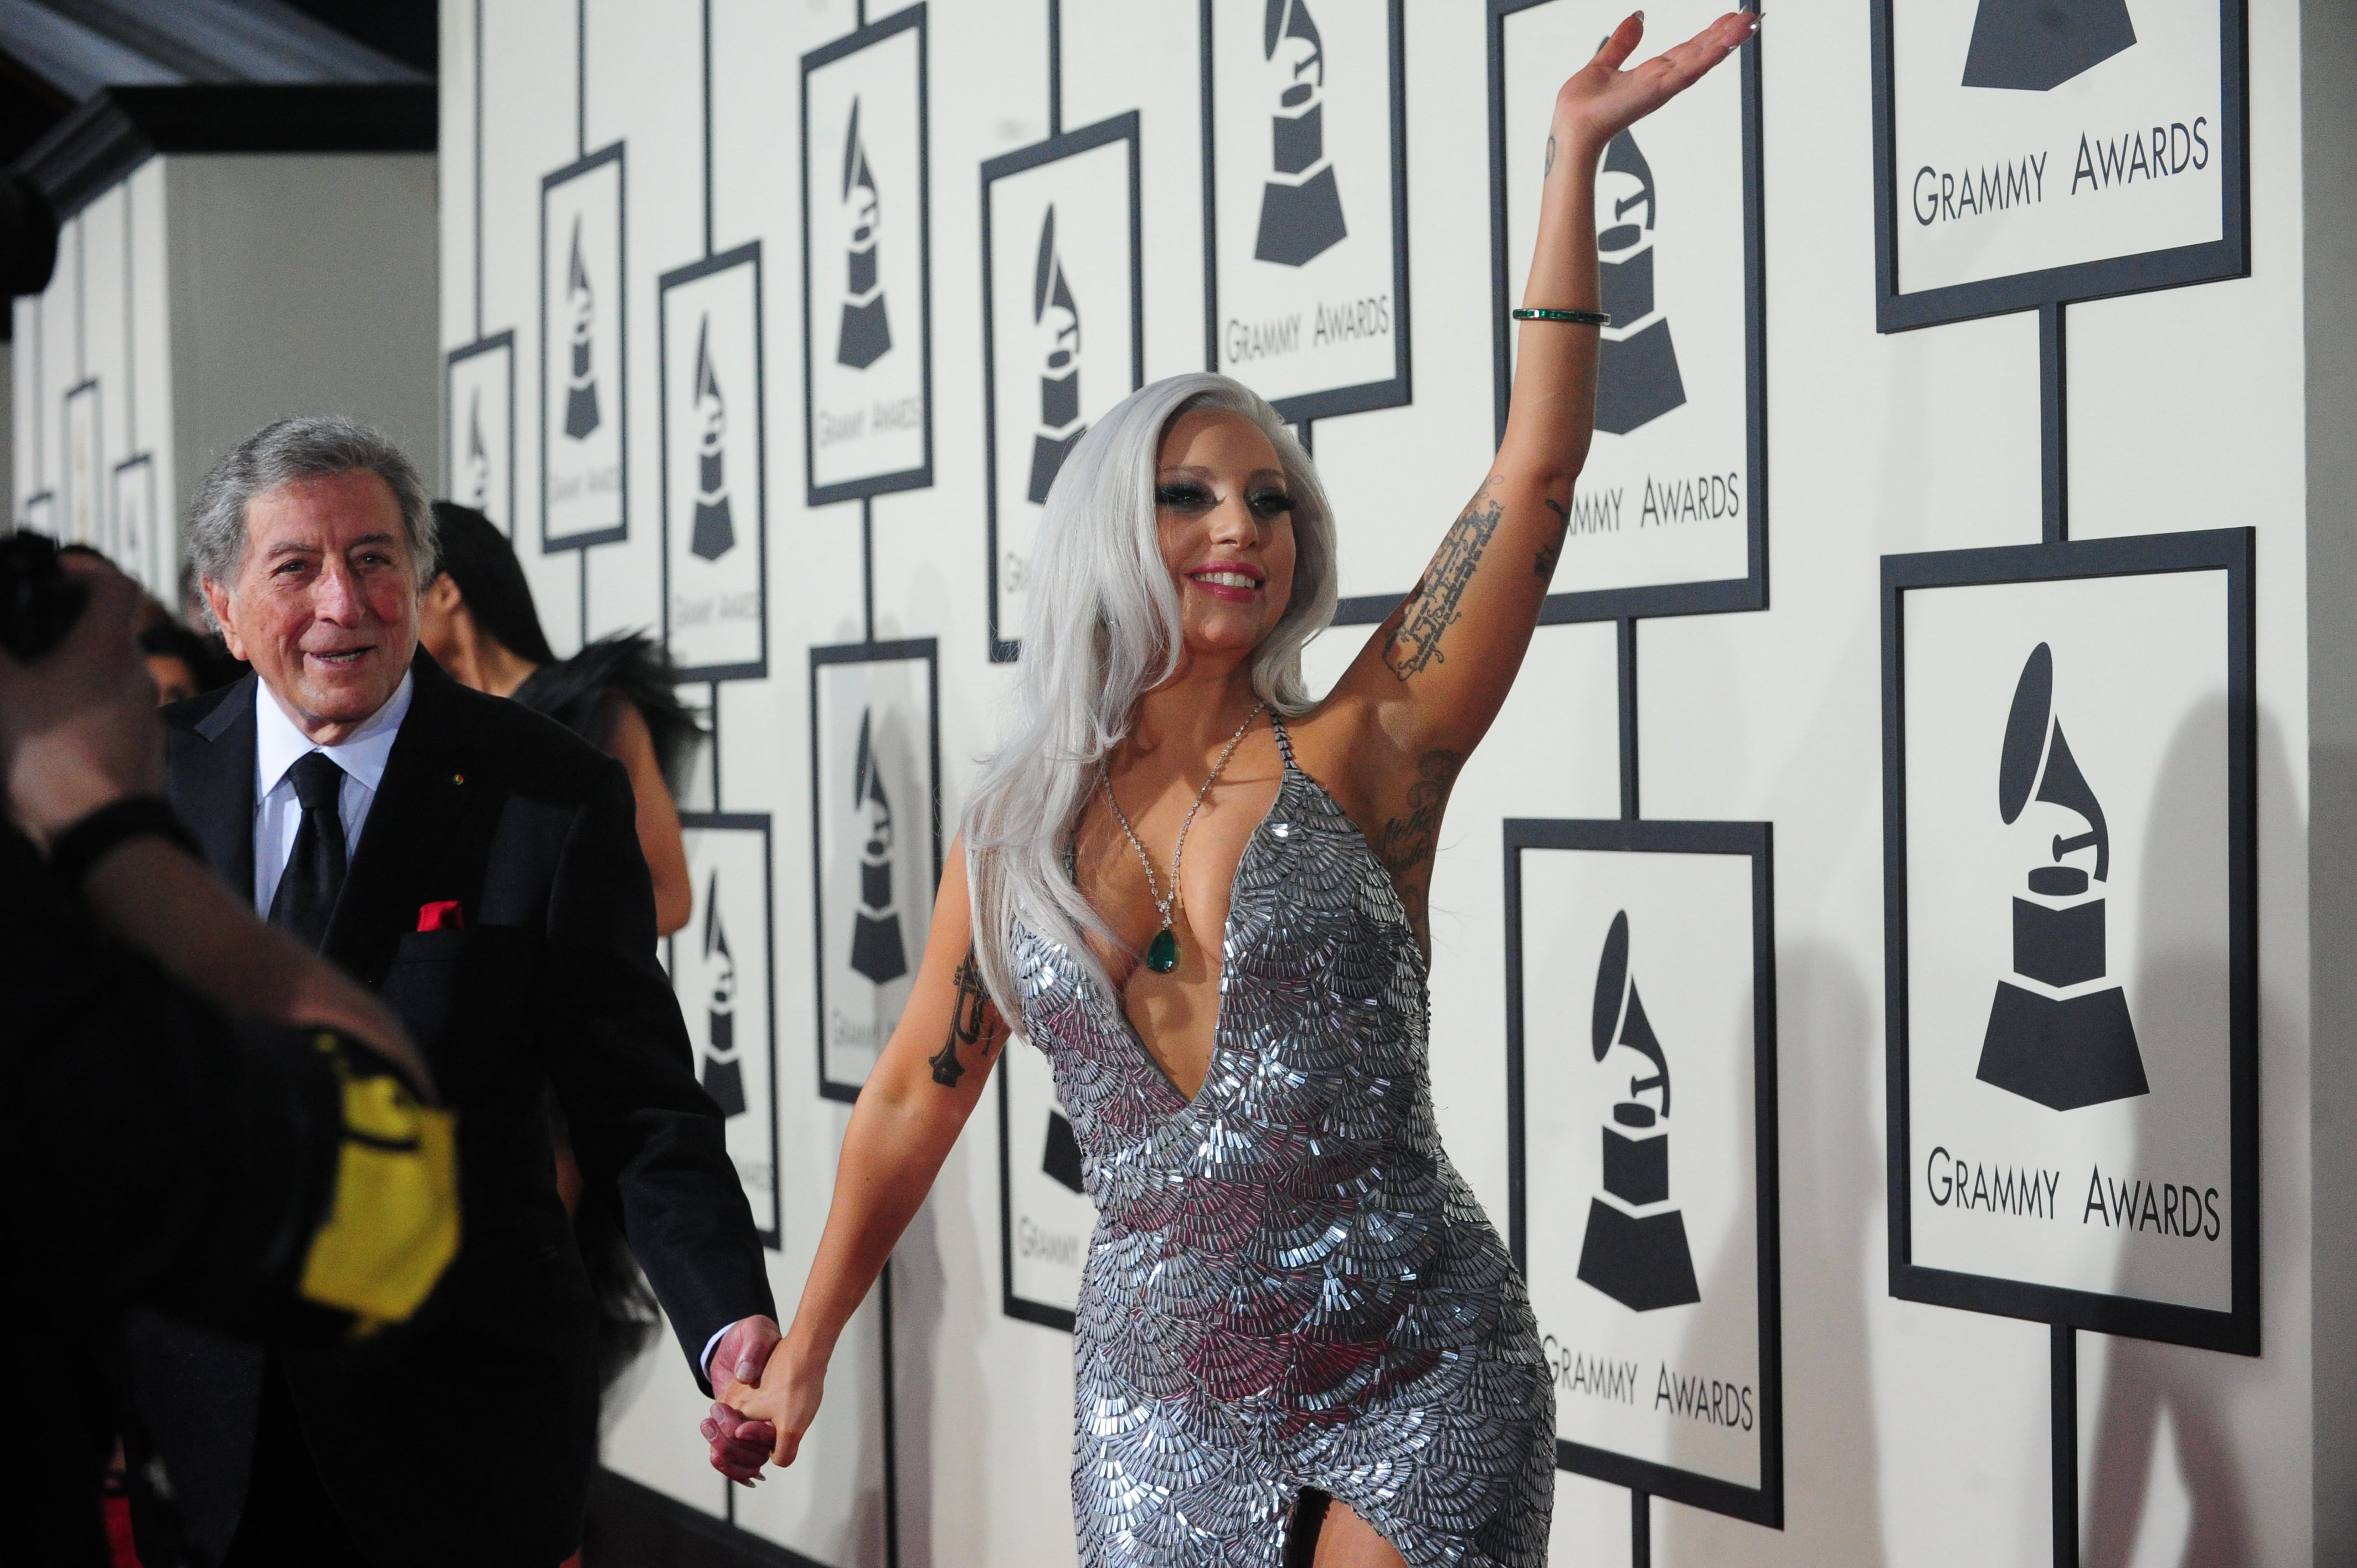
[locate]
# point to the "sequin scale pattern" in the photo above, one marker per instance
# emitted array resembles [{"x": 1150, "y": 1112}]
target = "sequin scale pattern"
[{"x": 1290, "y": 1285}]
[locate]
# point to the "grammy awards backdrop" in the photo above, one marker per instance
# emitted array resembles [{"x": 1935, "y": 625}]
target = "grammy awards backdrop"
[
  {"x": 875, "y": 838},
  {"x": 767, "y": 328},
  {"x": 1048, "y": 1220},
  {"x": 583, "y": 338},
  {"x": 1646, "y": 1149},
  {"x": 721, "y": 967},
  {"x": 478, "y": 439},
  {"x": 1304, "y": 183},
  {"x": 2070, "y": 858},
  {"x": 867, "y": 304},
  {"x": 716, "y": 605},
  {"x": 2033, "y": 150},
  {"x": 1064, "y": 329}
]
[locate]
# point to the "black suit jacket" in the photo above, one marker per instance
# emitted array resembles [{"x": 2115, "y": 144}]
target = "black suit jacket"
[{"x": 470, "y": 1436}]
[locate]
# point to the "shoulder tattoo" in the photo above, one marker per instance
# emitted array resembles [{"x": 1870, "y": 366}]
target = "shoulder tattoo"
[{"x": 969, "y": 1024}]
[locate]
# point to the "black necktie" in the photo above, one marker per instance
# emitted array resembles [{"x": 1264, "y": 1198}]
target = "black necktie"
[{"x": 315, "y": 872}]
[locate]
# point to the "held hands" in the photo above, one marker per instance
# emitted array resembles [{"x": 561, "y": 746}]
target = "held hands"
[
  {"x": 765, "y": 1417},
  {"x": 740, "y": 1445},
  {"x": 1602, "y": 100}
]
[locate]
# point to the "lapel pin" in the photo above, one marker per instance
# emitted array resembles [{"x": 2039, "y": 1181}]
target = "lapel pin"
[{"x": 457, "y": 778}]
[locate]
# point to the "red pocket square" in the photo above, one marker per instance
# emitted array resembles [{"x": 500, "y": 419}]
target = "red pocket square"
[{"x": 442, "y": 914}]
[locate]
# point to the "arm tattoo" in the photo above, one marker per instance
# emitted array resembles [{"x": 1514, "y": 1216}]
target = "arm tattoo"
[
  {"x": 1550, "y": 163},
  {"x": 1543, "y": 566},
  {"x": 1432, "y": 609},
  {"x": 1406, "y": 842},
  {"x": 968, "y": 1023}
]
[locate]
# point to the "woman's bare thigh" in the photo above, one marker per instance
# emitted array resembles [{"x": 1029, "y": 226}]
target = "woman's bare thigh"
[{"x": 1346, "y": 1540}]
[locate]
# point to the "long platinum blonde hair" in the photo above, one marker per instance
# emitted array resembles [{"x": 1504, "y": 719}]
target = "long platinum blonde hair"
[{"x": 1102, "y": 629}]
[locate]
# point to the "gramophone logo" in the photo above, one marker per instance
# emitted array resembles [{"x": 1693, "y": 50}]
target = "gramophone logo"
[
  {"x": 866, "y": 336},
  {"x": 1637, "y": 378},
  {"x": 479, "y": 456},
  {"x": 1300, "y": 209},
  {"x": 2056, "y": 1035},
  {"x": 1635, "y": 1250},
  {"x": 1060, "y": 1162},
  {"x": 2036, "y": 46},
  {"x": 876, "y": 949},
  {"x": 581, "y": 387},
  {"x": 724, "y": 1080},
  {"x": 714, "y": 533},
  {"x": 1058, "y": 321}
]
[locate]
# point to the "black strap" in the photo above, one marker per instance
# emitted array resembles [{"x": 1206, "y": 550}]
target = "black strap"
[{"x": 74, "y": 851}]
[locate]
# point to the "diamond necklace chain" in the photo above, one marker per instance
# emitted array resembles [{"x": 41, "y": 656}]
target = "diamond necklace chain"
[{"x": 1165, "y": 906}]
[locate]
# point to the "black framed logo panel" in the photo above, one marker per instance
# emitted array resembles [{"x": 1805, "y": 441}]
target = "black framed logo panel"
[
  {"x": 1063, "y": 334},
  {"x": 478, "y": 433},
  {"x": 2071, "y": 911},
  {"x": 714, "y": 467},
  {"x": 585, "y": 449},
  {"x": 1642, "y": 1149},
  {"x": 867, "y": 352},
  {"x": 1669, "y": 514},
  {"x": 84, "y": 518},
  {"x": 875, "y": 842},
  {"x": 1046, "y": 1219},
  {"x": 2028, "y": 155},
  {"x": 138, "y": 523},
  {"x": 724, "y": 968},
  {"x": 1305, "y": 201}
]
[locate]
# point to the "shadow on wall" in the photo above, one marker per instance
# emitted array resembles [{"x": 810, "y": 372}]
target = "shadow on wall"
[
  {"x": 1832, "y": 1180},
  {"x": 2163, "y": 1407},
  {"x": 918, "y": 1288}
]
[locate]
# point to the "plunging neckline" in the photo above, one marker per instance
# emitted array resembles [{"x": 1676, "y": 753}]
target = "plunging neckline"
[{"x": 1119, "y": 1009}]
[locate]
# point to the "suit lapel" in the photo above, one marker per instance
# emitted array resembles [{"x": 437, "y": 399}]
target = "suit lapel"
[
  {"x": 417, "y": 803},
  {"x": 212, "y": 786}
]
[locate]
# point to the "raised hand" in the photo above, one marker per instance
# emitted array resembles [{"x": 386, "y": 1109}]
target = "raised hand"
[
  {"x": 739, "y": 1446},
  {"x": 1601, "y": 99}
]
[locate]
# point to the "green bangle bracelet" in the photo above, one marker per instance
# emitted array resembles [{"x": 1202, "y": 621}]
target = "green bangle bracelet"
[{"x": 1578, "y": 317}]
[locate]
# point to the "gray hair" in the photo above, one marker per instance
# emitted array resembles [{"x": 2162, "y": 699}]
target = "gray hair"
[
  {"x": 292, "y": 449},
  {"x": 1102, "y": 629}
]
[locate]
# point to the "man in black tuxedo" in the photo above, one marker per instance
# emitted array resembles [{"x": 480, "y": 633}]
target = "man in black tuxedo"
[{"x": 477, "y": 866}]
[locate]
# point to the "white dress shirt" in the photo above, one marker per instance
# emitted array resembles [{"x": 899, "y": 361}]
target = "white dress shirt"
[{"x": 278, "y": 745}]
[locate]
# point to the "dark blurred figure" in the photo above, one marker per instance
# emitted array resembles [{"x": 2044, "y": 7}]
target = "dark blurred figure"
[
  {"x": 618, "y": 693},
  {"x": 178, "y": 660},
  {"x": 216, "y": 1124}
]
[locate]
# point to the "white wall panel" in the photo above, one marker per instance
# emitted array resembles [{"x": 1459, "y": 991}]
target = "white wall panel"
[{"x": 1914, "y": 1434}]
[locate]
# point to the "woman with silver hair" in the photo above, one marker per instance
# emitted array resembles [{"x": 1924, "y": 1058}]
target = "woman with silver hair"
[{"x": 1202, "y": 895}]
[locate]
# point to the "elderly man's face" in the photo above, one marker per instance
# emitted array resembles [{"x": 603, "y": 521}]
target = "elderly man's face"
[{"x": 324, "y": 603}]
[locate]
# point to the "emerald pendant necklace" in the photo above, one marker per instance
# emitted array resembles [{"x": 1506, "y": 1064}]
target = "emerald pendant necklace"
[{"x": 1162, "y": 953}]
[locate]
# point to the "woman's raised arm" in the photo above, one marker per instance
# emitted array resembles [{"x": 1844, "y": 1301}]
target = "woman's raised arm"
[
  {"x": 916, "y": 1102},
  {"x": 1436, "y": 672}
]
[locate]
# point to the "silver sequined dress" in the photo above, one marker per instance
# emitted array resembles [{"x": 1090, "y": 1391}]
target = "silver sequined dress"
[{"x": 1290, "y": 1285}]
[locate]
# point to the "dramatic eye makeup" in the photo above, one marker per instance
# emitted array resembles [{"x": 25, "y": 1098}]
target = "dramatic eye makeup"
[
  {"x": 1270, "y": 502},
  {"x": 1185, "y": 494},
  {"x": 1192, "y": 496}
]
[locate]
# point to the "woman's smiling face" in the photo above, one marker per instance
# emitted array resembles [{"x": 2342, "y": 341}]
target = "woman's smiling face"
[{"x": 1225, "y": 518}]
